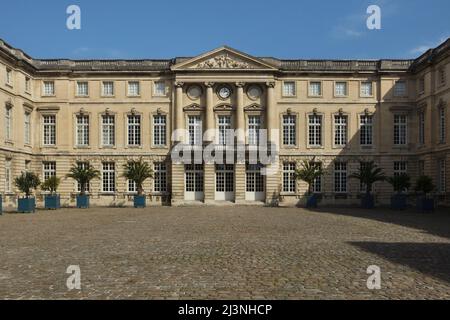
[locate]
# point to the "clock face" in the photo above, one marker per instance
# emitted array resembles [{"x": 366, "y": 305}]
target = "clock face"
[{"x": 224, "y": 92}]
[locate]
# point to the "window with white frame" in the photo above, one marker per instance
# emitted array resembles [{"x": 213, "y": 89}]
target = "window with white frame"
[
  {"x": 49, "y": 130},
  {"x": 421, "y": 119},
  {"x": 49, "y": 169},
  {"x": 366, "y": 130},
  {"x": 442, "y": 127},
  {"x": 289, "y": 130},
  {"x": 108, "y": 130},
  {"x": 108, "y": 177},
  {"x": 340, "y": 89},
  {"x": 421, "y": 85},
  {"x": 400, "y": 129},
  {"x": 254, "y": 178},
  {"x": 82, "y": 130},
  {"x": 27, "y": 85},
  {"x": 8, "y": 176},
  {"x": 27, "y": 127},
  {"x": 159, "y": 89},
  {"x": 134, "y": 130},
  {"x": 159, "y": 130},
  {"x": 224, "y": 178},
  {"x": 362, "y": 186},
  {"x": 289, "y": 89},
  {"x": 82, "y": 88},
  {"x": 315, "y": 88},
  {"x": 317, "y": 184},
  {"x": 400, "y": 88},
  {"x": 194, "y": 178},
  {"x": 134, "y": 88},
  {"x": 441, "y": 76},
  {"x": 83, "y": 165},
  {"x": 366, "y": 89},
  {"x": 442, "y": 175},
  {"x": 8, "y": 122},
  {"x": 400, "y": 168},
  {"x": 132, "y": 186},
  {"x": 224, "y": 126},
  {"x": 254, "y": 127},
  {"x": 108, "y": 88},
  {"x": 315, "y": 130},
  {"x": 289, "y": 181},
  {"x": 340, "y": 130},
  {"x": 49, "y": 88},
  {"x": 195, "y": 130},
  {"x": 160, "y": 181},
  {"x": 340, "y": 177}
]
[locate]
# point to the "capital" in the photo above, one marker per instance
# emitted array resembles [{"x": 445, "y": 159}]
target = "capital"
[
  {"x": 209, "y": 84},
  {"x": 179, "y": 84},
  {"x": 240, "y": 84},
  {"x": 270, "y": 84}
]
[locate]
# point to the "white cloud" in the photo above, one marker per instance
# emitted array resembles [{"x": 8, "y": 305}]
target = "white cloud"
[{"x": 424, "y": 47}]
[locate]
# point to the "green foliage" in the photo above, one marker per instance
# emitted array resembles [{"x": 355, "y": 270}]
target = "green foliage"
[
  {"x": 138, "y": 171},
  {"x": 369, "y": 173},
  {"x": 26, "y": 182},
  {"x": 400, "y": 183},
  {"x": 51, "y": 184},
  {"x": 424, "y": 185},
  {"x": 83, "y": 175},
  {"x": 310, "y": 170}
]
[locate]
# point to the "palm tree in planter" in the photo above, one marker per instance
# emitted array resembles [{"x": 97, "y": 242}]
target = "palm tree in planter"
[
  {"x": 83, "y": 175},
  {"x": 52, "y": 200},
  {"x": 310, "y": 171},
  {"x": 400, "y": 183},
  {"x": 425, "y": 186},
  {"x": 26, "y": 182},
  {"x": 368, "y": 173},
  {"x": 138, "y": 171}
]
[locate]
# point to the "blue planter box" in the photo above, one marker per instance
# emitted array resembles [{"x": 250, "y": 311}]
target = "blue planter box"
[
  {"x": 82, "y": 201},
  {"x": 425, "y": 205},
  {"x": 399, "y": 202},
  {"x": 52, "y": 202},
  {"x": 311, "y": 201},
  {"x": 139, "y": 201},
  {"x": 26, "y": 205},
  {"x": 368, "y": 201}
]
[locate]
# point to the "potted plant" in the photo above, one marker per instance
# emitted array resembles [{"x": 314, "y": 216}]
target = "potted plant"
[
  {"x": 52, "y": 200},
  {"x": 400, "y": 183},
  {"x": 138, "y": 171},
  {"x": 309, "y": 172},
  {"x": 368, "y": 173},
  {"x": 26, "y": 183},
  {"x": 424, "y": 186},
  {"x": 83, "y": 175}
]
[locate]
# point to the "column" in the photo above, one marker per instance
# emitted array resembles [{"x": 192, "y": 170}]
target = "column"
[
  {"x": 179, "y": 115},
  {"x": 240, "y": 115},
  {"x": 210, "y": 125},
  {"x": 271, "y": 114}
]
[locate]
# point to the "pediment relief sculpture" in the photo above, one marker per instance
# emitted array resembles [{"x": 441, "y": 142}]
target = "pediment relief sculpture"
[
  {"x": 193, "y": 107},
  {"x": 223, "y": 61},
  {"x": 224, "y": 107},
  {"x": 254, "y": 107}
]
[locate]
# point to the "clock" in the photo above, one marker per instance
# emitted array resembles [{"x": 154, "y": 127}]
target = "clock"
[
  {"x": 224, "y": 92},
  {"x": 194, "y": 92}
]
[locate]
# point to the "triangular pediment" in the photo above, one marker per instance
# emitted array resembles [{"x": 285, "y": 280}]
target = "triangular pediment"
[{"x": 222, "y": 59}]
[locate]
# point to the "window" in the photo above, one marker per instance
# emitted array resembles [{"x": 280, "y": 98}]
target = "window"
[
  {"x": 134, "y": 130},
  {"x": 108, "y": 88},
  {"x": 421, "y": 168},
  {"x": 82, "y": 130},
  {"x": 340, "y": 89},
  {"x": 160, "y": 181},
  {"x": 224, "y": 129},
  {"x": 195, "y": 130},
  {"x": 194, "y": 178},
  {"x": 366, "y": 130},
  {"x": 340, "y": 177},
  {"x": 442, "y": 125},
  {"x": 441, "y": 76},
  {"x": 315, "y": 130},
  {"x": 159, "y": 130},
  {"x": 421, "y": 127},
  {"x": 254, "y": 178},
  {"x": 27, "y": 85},
  {"x": 82, "y": 88},
  {"x": 315, "y": 89},
  {"x": 289, "y": 130},
  {"x": 9, "y": 75},
  {"x": 108, "y": 130},
  {"x": 160, "y": 88},
  {"x": 400, "y": 129},
  {"x": 317, "y": 184},
  {"x": 254, "y": 126},
  {"x": 366, "y": 89},
  {"x": 83, "y": 165},
  {"x": 442, "y": 175},
  {"x": 49, "y": 88},
  {"x": 49, "y": 130},
  {"x": 362, "y": 186},
  {"x": 224, "y": 178},
  {"x": 8, "y": 176},
  {"x": 108, "y": 177},
  {"x": 8, "y": 122},
  {"x": 289, "y": 89},
  {"x": 400, "y": 167},
  {"x": 133, "y": 88},
  {"x": 340, "y": 130},
  {"x": 49, "y": 170},
  {"x": 421, "y": 85},
  {"x": 400, "y": 88},
  {"x": 27, "y": 128},
  {"x": 132, "y": 186},
  {"x": 289, "y": 177}
]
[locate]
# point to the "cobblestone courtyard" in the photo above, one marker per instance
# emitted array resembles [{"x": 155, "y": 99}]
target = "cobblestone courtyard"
[{"x": 224, "y": 253}]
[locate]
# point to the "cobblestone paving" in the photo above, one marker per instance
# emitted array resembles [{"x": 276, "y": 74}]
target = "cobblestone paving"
[{"x": 224, "y": 253}]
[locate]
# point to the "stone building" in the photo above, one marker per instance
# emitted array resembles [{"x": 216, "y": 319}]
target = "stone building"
[{"x": 60, "y": 113}]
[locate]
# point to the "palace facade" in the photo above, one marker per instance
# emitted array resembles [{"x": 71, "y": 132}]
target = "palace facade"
[{"x": 59, "y": 113}]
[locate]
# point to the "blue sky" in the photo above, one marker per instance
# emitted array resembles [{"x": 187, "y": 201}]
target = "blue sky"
[{"x": 135, "y": 29}]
